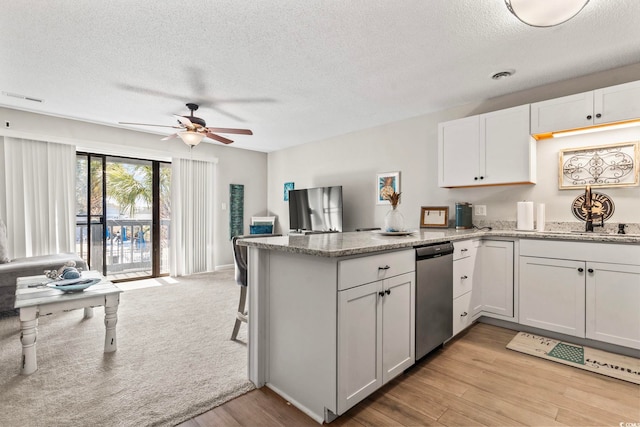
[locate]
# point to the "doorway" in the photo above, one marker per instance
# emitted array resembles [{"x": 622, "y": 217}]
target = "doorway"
[{"x": 123, "y": 215}]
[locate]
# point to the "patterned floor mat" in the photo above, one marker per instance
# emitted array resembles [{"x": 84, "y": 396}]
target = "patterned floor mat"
[{"x": 601, "y": 362}]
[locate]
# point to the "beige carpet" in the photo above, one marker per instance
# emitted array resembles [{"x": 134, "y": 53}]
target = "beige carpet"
[
  {"x": 590, "y": 359},
  {"x": 174, "y": 360}
]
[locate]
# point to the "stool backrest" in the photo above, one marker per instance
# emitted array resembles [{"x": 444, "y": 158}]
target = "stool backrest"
[{"x": 240, "y": 256}]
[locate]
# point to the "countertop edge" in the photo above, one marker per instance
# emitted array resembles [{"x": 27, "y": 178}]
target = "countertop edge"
[{"x": 382, "y": 244}]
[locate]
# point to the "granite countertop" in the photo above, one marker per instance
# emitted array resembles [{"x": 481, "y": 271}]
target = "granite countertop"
[{"x": 354, "y": 243}]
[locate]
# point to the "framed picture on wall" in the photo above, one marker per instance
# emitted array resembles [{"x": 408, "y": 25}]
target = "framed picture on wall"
[
  {"x": 434, "y": 216},
  {"x": 386, "y": 184},
  {"x": 287, "y": 187},
  {"x": 614, "y": 165}
]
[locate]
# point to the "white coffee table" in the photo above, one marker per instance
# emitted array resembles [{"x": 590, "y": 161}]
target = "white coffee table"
[{"x": 33, "y": 301}]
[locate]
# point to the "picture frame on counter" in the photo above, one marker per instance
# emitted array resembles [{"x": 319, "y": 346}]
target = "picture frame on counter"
[
  {"x": 434, "y": 217},
  {"x": 386, "y": 184},
  {"x": 613, "y": 165}
]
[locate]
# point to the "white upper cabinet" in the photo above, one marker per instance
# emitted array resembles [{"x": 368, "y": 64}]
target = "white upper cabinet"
[
  {"x": 509, "y": 150},
  {"x": 617, "y": 103},
  {"x": 459, "y": 152},
  {"x": 486, "y": 149},
  {"x": 568, "y": 112},
  {"x": 607, "y": 105}
]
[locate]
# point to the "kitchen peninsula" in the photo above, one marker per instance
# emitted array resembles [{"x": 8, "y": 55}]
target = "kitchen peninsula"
[{"x": 324, "y": 332}]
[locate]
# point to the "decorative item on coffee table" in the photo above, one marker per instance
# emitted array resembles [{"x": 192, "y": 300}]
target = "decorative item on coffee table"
[{"x": 67, "y": 271}]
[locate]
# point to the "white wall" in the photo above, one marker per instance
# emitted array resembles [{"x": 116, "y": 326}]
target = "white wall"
[
  {"x": 235, "y": 166},
  {"x": 410, "y": 146}
]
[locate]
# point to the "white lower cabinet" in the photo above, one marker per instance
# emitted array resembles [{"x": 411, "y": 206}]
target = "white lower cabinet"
[
  {"x": 465, "y": 297},
  {"x": 584, "y": 298},
  {"x": 495, "y": 276},
  {"x": 483, "y": 281},
  {"x": 612, "y": 303},
  {"x": 552, "y": 294},
  {"x": 359, "y": 339},
  {"x": 376, "y": 336}
]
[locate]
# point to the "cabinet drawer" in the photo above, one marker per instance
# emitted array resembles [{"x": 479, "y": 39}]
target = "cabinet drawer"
[
  {"x": 461, "y": 312},
  {"x": 615, "y": 253},
  {"x": 358, "y": 271},
  {"x": 464, "y": 248},
  {"x": 463, "y": 276}
]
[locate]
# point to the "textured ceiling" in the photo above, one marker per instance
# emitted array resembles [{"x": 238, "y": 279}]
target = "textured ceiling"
[{"x": 292, "y": 71}]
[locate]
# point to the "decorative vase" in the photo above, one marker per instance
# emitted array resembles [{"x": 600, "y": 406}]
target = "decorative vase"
[{"x": 394, "y": 221}]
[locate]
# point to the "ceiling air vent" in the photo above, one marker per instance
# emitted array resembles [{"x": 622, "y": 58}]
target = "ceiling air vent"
[
  {"x": 503, "y": 74},
  {"x": 17, "y": 95}
]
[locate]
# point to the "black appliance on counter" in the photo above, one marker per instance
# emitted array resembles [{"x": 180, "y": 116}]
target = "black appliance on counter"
[{"x": 464, "y": 218}]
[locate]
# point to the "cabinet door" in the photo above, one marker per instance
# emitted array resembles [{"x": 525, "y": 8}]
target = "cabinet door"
[
  {"x": 359, "y": 344},
  {"x": 398, "y": 325},
  {"x": 496, "y": 277},
  {"x": 507, "y": 150},
  {"x": 567, "y": 112},
  {"x": 552, "y": 294},
  {"x": 458, "y": 152},
  {"x": 612, "y": 298},
  {"x": 617, "y": 103}
]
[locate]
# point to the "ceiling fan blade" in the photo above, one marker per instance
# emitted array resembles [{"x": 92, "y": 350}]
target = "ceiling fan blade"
[
  {"x": 186, "y": 122},
  {"x": 218, "y": 138},
  {"x": 147, "y": 124},
  {"x": 147, "y": 91},
  {"x": 230, "y": 130},
  {"x": 169, "y": 137}
]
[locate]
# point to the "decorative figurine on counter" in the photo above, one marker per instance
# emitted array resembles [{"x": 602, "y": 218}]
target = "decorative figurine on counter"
[{"x": 592, "y": 206}]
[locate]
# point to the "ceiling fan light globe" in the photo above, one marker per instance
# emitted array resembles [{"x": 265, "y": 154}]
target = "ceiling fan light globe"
[
  {"x": 545, "y": 13},
  {"x": 191, "y": 138}
]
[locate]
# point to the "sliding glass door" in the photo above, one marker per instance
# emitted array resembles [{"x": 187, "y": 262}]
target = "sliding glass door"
[{"x": 123, "y": 215}]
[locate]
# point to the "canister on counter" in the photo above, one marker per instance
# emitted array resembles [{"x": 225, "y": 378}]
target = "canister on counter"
[{"x": 463, "y": 216}]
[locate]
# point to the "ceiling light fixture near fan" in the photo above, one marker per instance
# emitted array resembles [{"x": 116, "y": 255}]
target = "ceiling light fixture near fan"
[
  {"x": 194, "y": 129},
  {"x": 545, "y": 13}
]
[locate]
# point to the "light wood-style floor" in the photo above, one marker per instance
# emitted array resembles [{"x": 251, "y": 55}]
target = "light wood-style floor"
[{"x": 473, "y": 381}]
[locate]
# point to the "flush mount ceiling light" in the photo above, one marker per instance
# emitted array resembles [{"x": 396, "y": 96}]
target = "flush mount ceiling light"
[
  {"x": 191, "y": 138},
  {"x": 545, "y": 13}
]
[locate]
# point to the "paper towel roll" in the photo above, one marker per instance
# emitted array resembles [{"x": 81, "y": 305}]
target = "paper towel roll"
[
  {"x": 540, "y": 217},
  {"x": 524, "y": 219}
]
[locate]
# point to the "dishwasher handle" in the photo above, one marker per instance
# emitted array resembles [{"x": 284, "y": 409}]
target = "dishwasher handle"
[{"x": 433, "y": 251}]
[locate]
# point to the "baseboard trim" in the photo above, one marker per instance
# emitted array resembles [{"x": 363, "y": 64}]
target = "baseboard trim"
[{"x": 612, "y": 348}]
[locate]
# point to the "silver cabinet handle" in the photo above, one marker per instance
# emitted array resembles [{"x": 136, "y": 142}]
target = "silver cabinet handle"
[
  {"x": 463, "y": 277},
  {"x": 386, "y": 267},
  {"x": 463, "y": 314},
  {"x": 464, "y": 250}
]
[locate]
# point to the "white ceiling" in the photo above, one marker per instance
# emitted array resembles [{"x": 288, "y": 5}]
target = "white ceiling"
[{"x": 292, "y": 71}]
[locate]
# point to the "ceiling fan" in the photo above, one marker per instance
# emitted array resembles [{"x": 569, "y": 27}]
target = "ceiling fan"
[{"x": 193, "y": 129}]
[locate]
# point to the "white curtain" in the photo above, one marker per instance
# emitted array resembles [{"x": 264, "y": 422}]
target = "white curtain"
[
  {"x": 37, "y": 196},
  {"x": 192, "y": 211}
]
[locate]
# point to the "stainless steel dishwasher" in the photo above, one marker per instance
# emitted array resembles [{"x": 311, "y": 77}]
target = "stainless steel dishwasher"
[{"x": 434, "y": 296}]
